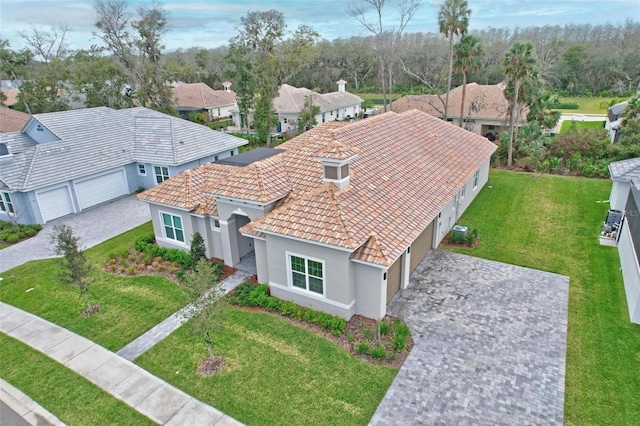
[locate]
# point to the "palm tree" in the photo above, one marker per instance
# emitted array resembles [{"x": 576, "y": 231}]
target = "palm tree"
[
  {"x": 468, "y": 53},
  {"x": 453, "y": 19},
  {"x": 519, "y": 63}
]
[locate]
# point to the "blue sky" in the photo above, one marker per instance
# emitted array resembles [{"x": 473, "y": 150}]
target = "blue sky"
[{"x": 211, "y": 23}]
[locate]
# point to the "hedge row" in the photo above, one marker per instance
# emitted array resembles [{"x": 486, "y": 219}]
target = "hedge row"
[{"x": 146, "y": 244}]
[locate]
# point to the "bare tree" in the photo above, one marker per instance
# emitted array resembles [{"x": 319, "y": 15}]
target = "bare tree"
[
  {"x": 48, "y": 45},
  {"x": 386, "y": 39}
]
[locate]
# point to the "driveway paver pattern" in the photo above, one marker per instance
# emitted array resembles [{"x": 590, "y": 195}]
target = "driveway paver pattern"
[{"x": 489, "y": 345}]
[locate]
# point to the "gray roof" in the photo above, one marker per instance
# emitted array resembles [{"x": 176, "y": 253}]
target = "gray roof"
[
  {"x": 92, "y": 140},
  {"x": 249, "y": 157},
  {"x": 626, "y": 171},
  {"x": 618, "y": 109}
]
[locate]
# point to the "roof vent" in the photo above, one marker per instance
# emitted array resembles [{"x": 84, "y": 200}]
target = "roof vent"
[{"x": 335, "y": 158}]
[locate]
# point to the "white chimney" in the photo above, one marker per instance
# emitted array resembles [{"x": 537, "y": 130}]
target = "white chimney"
[{"x": 341, "y": 84}]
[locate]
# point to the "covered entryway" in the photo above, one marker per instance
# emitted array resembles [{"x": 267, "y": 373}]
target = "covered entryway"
[
  {"x": 394, "y": 276},
  {"x": 55, "y": 202},
  {"x": 99, "y": 189},
  {"x": 421, "y": 246}
]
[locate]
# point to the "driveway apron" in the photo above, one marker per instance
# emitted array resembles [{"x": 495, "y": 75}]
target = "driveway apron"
[{"x": 489, "y": 345}]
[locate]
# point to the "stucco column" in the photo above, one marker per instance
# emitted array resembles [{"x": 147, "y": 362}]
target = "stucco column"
[
  {"x": 406, "y": 269},
  {"x": 229, "y": 237}
]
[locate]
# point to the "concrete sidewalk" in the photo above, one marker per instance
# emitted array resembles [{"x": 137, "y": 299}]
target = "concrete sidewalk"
[{"x": 146, "y": 393}]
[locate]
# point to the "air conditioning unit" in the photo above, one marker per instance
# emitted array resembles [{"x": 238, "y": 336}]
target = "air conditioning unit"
[{"x": 460, "y": 231}]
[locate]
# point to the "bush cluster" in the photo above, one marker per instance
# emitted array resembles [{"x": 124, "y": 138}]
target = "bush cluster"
[
  {"x": 247, "y": 294},
  {"x": 12, "y": 233},
  {"x": 146, "y": 244},
  {"x": 458, "y": 238}
]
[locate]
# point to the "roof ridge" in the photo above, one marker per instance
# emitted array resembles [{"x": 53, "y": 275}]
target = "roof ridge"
[{"x": 334, "y": 191}]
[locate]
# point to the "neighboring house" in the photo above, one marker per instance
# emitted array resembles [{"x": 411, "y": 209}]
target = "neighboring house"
[
  {"x": 198, "y": 97},
  {"x": 65, "y": 162},
  {"x": 11, "y": 89},
  {"x": 333, "y": 106},
  {"x": 338, "y": 217},
  {"x": 486, "y": 109},
  {"x": 11, "y": 120},
  {"x": 625, "y": 196},
  {"x": 614, "y": 120}
]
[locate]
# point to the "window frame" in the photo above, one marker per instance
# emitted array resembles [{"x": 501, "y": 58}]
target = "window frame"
[
  {"x": 173, "y": 227},
  {"x": 307, "y": 275},
  {"x": 161, "y": 175},
  {"x": 213, "y": 223},
  {"x": 476, "y": 179},
  {"x": 142, "y": 169},
  {"x": 6, "y": 203},
  {"x": 463, "y": 192}
]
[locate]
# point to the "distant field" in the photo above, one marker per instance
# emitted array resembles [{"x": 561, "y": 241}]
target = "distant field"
[
  {"x": 566, "y": 125},
  {"x": 592, "y": 105}
]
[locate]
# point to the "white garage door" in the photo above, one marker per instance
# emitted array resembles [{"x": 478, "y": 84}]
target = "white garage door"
[
  {"x": 100, "y": 189},
  {"x": 54, "y": 203}
]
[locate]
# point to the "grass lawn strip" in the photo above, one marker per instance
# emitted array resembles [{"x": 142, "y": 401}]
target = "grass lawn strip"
[
  {"x": 552, "y": 223},
  {"x": 589, "y": 105},
  {"x": 130, "y": 305},
  {"x": 566, "y": 125},
  {"x": 67, "y": 395},
  {"x": 275, "y": 373}
]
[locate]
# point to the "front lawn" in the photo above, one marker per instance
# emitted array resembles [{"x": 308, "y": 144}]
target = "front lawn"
[
  {"x": 67, "y": 395},
  {"x": 275, "y": 373},
  {"x": 588, "y": 105},
  {"x": 552, "y": 223},
  {"x": 566, "y": 125},
  {"x": 130, "y": 305}
]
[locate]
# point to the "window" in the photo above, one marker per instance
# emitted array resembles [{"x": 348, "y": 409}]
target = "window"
[
  {"x": 215, "y": 158},
  {"x": 215, "y": 223},
  {"x": 463, "y": 191},
  {"x": 6, "y": 204},
  {"x": 173, "y": 227},
  {"x": 344, "y": 171},
  {"x": 161, "y": 172},
  {"x": 142, "y": 170},
  {"x": 331, "y": 172},
  {"x": 476, "y": 175},
  {"x": 232, "y": 153},
  {"x": 306, "y": 274},
  {"x": 285, "y": 120}
]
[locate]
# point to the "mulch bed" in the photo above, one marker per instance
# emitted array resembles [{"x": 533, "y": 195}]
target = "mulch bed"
[
  {"x": 206, "y": 367},
  {"x": 447, "y": 242}
]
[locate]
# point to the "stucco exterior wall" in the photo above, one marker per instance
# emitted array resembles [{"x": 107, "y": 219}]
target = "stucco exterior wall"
[
  {"x": 158, "y": 228},
  {"x": 339, "y": 291},
  {"x": 619, "y": 194},
  {"x": 371, "y": 291},
  {"x": 630, "y": 273}
]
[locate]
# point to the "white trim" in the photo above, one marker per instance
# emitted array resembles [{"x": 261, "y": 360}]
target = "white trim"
[
  {"x": 47, "y": 189},
  {"x": 213, "y": 219},
  {"x": 345, "y": 249},
  {"x": 138, "y": 169},
  {"x": 170, "y": 207},
  {"x": 255, "y": 237},
  {"x": 288, "y": 255},
  {"x": 239, "y": 201},
  {"x": 155, "y": 176},
  {"x": 375, "y": 265},
  {"x": 476, "y": 179},
  {"x": 164, "y": 232},
  {"x": 312, "y": 295},
  {"x": 6, "y": 204}
]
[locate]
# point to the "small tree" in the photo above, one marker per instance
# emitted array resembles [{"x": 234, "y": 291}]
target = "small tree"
[
  {"x": 75, "y": 267},
  {"x": 308, "y": 114},
  {"x": 198, "y": 250},
  {"x": 203, "y": 279}
]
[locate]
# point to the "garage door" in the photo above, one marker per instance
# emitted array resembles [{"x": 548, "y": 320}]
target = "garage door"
[
  {"x": 421, "y": 246},
  {"x": 54, "y": 203},
  {"x": 394, "y": 275},
  {"x": 100, "y": 189}
]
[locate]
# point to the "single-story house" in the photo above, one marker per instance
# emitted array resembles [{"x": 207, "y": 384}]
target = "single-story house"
[
  {"x": 486, "y": 109},
  {"x": 614, "y": 120},
  {"x": 625, "y": 197},
  {"x": 198, "y": 97},
  {"x": 65, "y": 162},
  {"x": 12, "y": 120},
  {"x": 337, "y": 217},
  {"x": 289, "y": 104}
]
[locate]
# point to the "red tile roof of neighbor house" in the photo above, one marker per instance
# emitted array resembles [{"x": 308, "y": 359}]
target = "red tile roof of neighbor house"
[
  {"x": 408, "y": 167},
  {"x": 481, "y": 101},
  {"x": 199, "y": 95},
  {"x": 11, "y": 120}
]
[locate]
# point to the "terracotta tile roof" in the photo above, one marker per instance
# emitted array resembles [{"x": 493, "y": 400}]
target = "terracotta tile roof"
[
  {"x": 371, "y": 252},
  {"x": 187, "y": 189},
  {"x": 291, "y": 99},
  {"x": 199, "y": 95},
  {"x": 11, "y": 120},
  {"x": 481, "y": 101},
  {"x": 12, "y": 96},
  {"x": 336, "y": 150}
]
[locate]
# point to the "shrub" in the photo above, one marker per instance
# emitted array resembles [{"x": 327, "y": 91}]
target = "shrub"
[
  {"x": 337, "y": 326},
  {"x": 378, "y": 352},
  {"x": 383, "y": 328},
  {"x": 197, "y": 250},
  {"x": 287, "y": 308},
  {"x": 274, "y": 304},
  {"x": 240, "y": 296},
  {"x": 400, "y": 335},
  {"x": 146, "y": 244},
  {"x": 311, "y": 316},
  {"x": 12, "y": 233},
  {"x": 362, "y": 348},
  {"x": 259, "y": 295},
  {"x": 472, "y": 236}
]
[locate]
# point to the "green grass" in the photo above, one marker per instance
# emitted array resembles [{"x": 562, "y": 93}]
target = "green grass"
[
  {"x": 552, "y": 223},
  {"x": 566, "y": 125},
  {"x": 130, "y": 305},
  {"x": 67, "y": 395},
  {"x": 588, "y": 105},
  {"x": 275, "y": 373}
]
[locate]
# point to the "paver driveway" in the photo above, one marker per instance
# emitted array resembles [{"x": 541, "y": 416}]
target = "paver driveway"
[{"x": 489, "y": 345}]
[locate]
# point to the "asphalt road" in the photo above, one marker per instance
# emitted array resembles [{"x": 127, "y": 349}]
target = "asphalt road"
[{"x": 8, "y": 417}]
